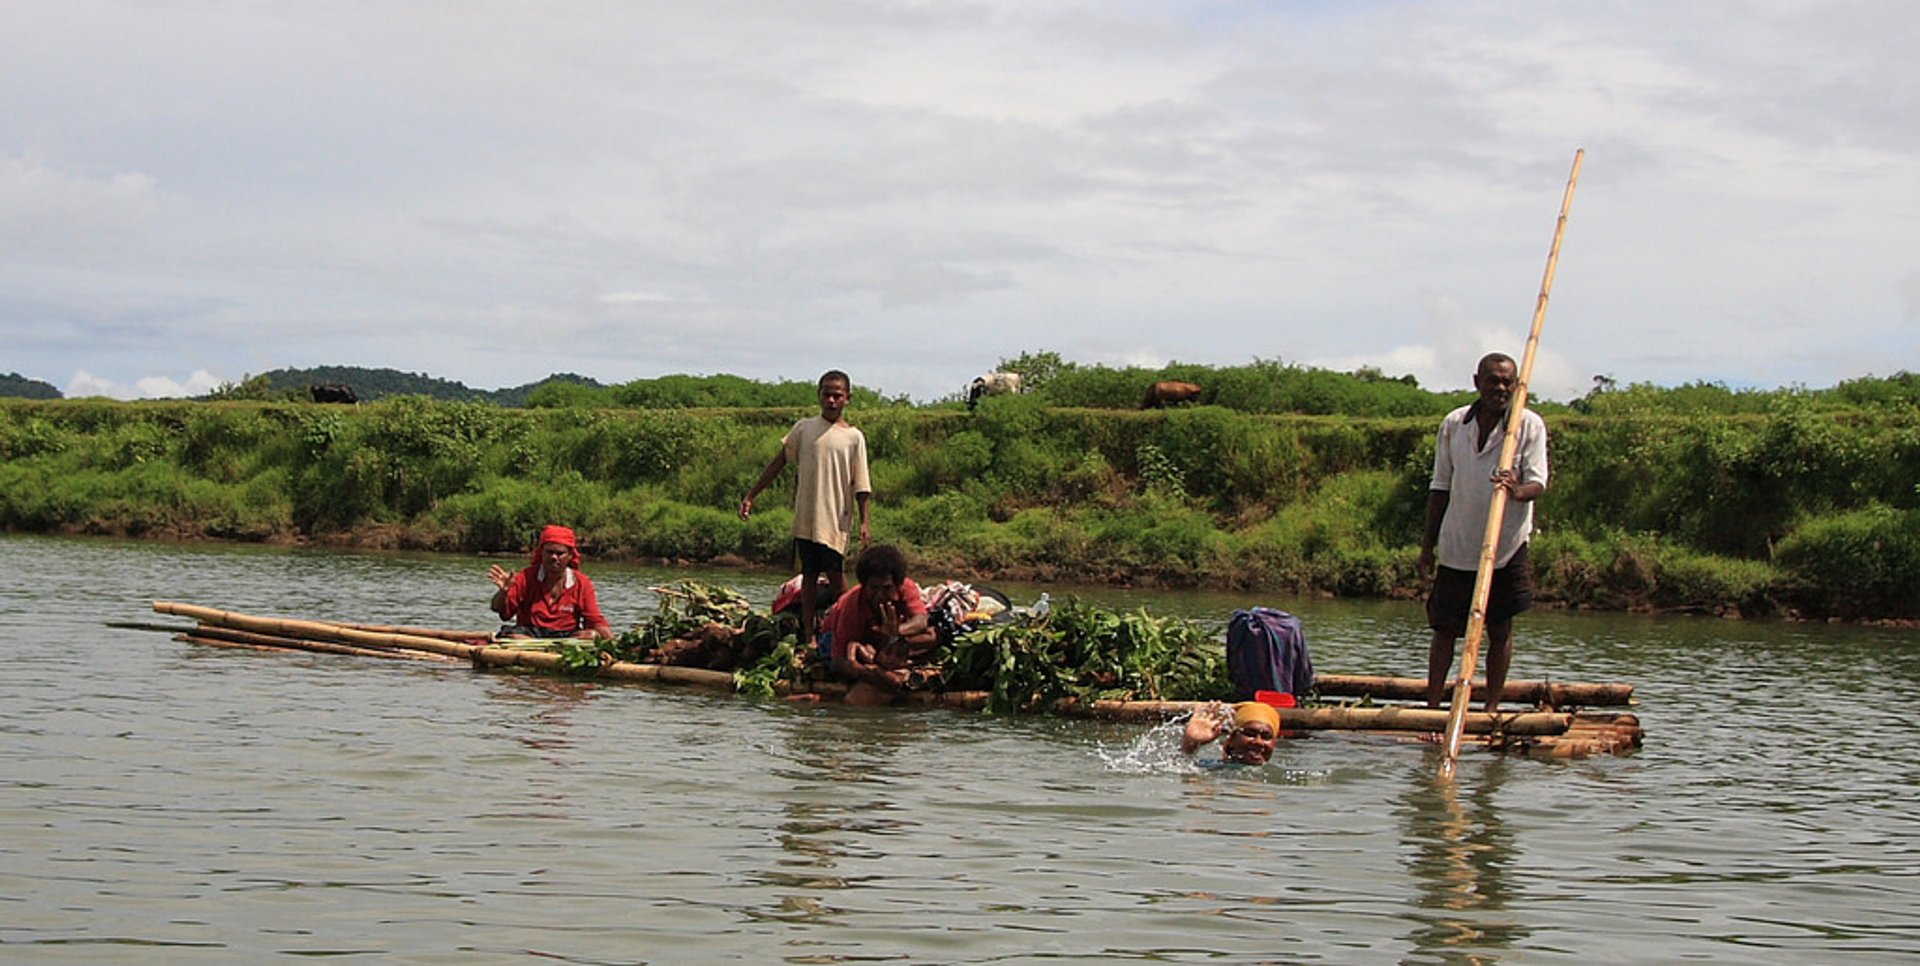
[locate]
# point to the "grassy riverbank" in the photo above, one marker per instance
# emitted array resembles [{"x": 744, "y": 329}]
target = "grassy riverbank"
[{"x": 1803, "y": 509}]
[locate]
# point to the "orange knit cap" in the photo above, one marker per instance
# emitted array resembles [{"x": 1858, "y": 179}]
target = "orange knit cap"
[{"x": 1248, "y": 711}]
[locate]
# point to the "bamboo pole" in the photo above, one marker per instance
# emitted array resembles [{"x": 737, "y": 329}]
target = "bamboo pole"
[
  {"x": 1558, "y": 694},
  {"x": 617, "y": 670},
  {"x": 486, "y": 655},
  {"x": 188, "y": 637},
  {"x": 313, "y": 630},
  {"x": 215, "y": 632},
  {"x": 1516, "y": 411},
  {"x": 463, "y": 637}
]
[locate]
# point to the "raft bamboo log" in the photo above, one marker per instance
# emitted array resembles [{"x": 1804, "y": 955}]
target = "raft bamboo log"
[
  {"x": 312, "y": 630},
  {"x": 146, "y": 626},
  {"x": 694, "y": 676},
  {"x": 1556, "y": 694},
  {"x": 218, "y": 633},
  {"x": 1421, "y": 719},
  {"x": 617, "y": 670},
  {"x": 1426, "y": 720},
  {"x": 463, "y": 637},
  {"x": 1541, "y": 734},
  {"x": 1490, "y": 544},
  {"x": 186, "y": 637}
]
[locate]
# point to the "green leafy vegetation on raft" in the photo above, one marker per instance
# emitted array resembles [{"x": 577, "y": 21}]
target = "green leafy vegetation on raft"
[
  {"x": 1697, "y": 499},
  {"x": 1087, "y": 653},
  {"x": 1078, "y": 650}
]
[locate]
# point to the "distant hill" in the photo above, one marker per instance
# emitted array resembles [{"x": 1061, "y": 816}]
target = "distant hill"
[
  {"x": 15, "y": 384},
  {"x": 517, "y": 396},
  {"x": 370, "y": 384}
]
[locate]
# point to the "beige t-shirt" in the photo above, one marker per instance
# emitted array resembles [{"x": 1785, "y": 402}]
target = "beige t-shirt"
[{"x": 830, "y": 466}]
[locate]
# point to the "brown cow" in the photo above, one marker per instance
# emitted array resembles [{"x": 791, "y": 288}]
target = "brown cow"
[{"x": 1163, "y": 394}]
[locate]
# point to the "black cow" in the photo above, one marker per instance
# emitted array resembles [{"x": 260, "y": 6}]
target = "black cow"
[{"x": 333, "y": 393}]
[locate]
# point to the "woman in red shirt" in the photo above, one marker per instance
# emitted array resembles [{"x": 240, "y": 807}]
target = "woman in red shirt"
[{"x": 551, "y": 597}]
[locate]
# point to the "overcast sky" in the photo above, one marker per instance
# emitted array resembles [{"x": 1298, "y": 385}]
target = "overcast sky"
[{"x": 494, "y": 191}]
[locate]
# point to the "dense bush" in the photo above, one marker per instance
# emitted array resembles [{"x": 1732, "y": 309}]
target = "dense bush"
[
  {"x": 1808, "y": 508},
  {"x": 724, "y": 391},
  {"x": 1863, "y": 563},
  {"x": 1263, "y": 386}
]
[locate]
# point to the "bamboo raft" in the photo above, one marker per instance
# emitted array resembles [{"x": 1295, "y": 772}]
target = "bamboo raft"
[{"x": 1560, "y": 724}]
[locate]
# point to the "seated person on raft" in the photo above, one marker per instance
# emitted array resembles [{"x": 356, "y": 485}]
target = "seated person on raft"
[
  {"x": 875, "y": 632},
  {"x": 1250, "y": 729},
  {"x": 550, "y": 597}
]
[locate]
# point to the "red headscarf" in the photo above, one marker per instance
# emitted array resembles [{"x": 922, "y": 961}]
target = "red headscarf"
[{"x": 560, "y": 535}]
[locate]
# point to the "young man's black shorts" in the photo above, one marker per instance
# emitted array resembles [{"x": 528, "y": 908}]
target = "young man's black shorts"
[
  {"x": 818, "y": 558},
  {"x": 1451, "y": 602}
]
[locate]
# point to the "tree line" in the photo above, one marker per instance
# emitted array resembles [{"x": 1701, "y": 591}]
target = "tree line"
[{"x": 1790, "y": 502}]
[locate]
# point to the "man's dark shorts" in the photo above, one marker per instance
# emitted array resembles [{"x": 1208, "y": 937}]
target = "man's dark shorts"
[
  {"x": 1451, "y": 602},
  {"x": 818, "y": 558}
]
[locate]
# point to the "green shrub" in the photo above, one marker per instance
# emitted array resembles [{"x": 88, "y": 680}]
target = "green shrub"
[
  {"x": 937, "y": 520},
  {"x": 1673, "y": 505},
  {"x": 560, "y": 394},
  {"x": 1863, "y": 563},
  {"x": 1640, "y": 571},
  {"x": 24, "y": 437},
  {"x": 678, "y": 532},
  {"x": 502, "y": 514}
]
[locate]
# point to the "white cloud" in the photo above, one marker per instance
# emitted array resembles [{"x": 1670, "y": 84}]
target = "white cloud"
[
  {"x": 492, "y": 193},
  {"x": 632, "y": 298},
  {"x": 46, "y": 212},
  {"x": 84, "y": 383}
]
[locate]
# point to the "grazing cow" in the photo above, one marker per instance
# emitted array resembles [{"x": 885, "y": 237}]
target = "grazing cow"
[
  {"x": 1163, "y": 394},
  {"x": 333, "y": 393},
  {"x": 991, "y": 384}
]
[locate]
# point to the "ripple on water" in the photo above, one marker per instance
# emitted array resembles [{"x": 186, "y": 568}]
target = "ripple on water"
[{"x": 197, "y": 803}]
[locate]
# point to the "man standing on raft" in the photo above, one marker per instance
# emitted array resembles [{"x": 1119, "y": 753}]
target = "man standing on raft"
[
  {"x": 830, "y": 460},
  {"x": 1466, "y": 471}
]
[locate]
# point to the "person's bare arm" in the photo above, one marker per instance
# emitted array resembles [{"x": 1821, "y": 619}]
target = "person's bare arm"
[
  {"x": 1205, "y": 724},
  {"x": 501, "y": 580},
  {"x": 1436, "y": 512},
  {"x": 767, "y": 476},
  {"x": 1517, "y": 491}
]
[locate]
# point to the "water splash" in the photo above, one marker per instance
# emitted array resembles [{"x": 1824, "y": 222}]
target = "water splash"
[{"x": 1155, "y": 753}]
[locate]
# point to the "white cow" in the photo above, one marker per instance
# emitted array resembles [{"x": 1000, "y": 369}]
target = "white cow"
[{"x": 991, "y": 384}]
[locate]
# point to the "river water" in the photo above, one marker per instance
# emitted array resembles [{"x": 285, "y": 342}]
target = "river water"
[{"x": 165, "y": 802}]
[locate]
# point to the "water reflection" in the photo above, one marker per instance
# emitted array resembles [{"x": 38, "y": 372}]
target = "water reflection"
[
  {"x": 1458, "y": 853},
  {"x": 538, "y": 711},
  {"x": 836, "y": 809}
]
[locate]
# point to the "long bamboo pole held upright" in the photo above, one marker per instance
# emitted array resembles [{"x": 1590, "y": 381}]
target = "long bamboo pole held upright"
[{"x": 1490, "y": 544}]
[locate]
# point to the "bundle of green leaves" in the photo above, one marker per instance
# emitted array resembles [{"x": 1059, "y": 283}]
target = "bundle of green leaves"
[
  {"x": 1079, "y": 650},
  {"x": 1076, "y": 650},
  {"x": 685, "y": 607}
]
